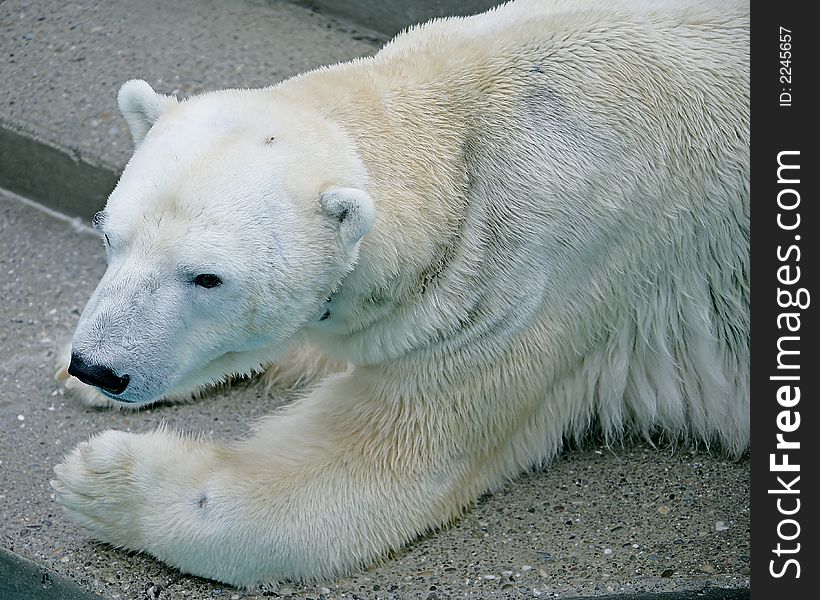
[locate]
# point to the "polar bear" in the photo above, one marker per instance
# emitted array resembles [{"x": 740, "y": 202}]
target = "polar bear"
[{"x": 492, "y": 235}]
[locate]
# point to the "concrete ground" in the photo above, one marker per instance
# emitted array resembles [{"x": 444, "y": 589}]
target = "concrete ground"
[{"x": 598, "y": 522}]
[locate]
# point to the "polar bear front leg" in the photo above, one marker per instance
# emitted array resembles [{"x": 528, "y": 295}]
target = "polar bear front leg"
[
  {"x": 331, "y": 484},
  {"x": 123, "y": 488}
]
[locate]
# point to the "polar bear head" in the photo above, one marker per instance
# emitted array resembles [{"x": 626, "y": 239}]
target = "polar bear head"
[{"x": 237, "y": 216}]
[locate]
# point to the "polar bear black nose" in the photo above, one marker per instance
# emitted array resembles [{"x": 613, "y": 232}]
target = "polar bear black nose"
[{"x": 97, "y": 375}]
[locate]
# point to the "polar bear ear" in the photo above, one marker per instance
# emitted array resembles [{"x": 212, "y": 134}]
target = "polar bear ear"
[
  {"x": 141, "y": 106},
  {"x": 353, "y": 209}
]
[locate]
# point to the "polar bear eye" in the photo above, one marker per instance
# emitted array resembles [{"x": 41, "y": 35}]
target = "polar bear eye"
[{"x": 207, "y": 280}]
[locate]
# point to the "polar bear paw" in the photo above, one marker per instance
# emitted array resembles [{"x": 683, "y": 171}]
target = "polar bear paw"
[{"x": 98, "y": 488}]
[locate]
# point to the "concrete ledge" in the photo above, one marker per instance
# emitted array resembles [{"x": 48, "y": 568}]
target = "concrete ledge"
[
  {"x": 21, "y": 579},
  {"x": 391, "y": 16},
  {"x": 57, "y": 177}
]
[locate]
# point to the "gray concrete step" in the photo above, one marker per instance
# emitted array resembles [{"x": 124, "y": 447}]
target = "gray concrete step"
[
  {"x": 391, "y": 16},
  {"x": 598, "y": 522}
]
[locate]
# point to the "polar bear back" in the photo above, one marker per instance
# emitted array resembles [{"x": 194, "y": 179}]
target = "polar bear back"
[{"x": 566, "y": 181}]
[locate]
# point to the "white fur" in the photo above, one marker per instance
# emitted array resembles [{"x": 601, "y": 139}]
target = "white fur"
[
  {"x": 355, "y": 211},
  {"x": 511, "y": 226}
]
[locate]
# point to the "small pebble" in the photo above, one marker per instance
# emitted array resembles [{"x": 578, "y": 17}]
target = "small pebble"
[{"x": 721, "y": 526}]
